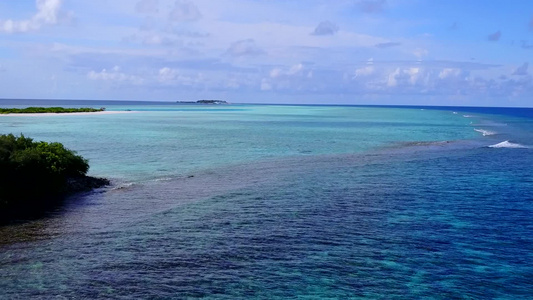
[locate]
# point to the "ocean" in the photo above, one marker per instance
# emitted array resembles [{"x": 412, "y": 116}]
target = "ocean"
[{"x": 247, "y": 201}]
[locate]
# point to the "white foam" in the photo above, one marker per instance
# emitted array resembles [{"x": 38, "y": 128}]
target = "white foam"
[
  {"x": 123, "y": 186},
  {"x": 161, "y": 179},
  {"x": 468, "y": 116},
  {"x": 485, "y": 132},
  {"x": 454, "y": 112},
  {"x": 507, "y": 144}
]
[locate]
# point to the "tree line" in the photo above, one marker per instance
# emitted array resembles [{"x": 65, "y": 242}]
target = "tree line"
[{"x": 40, "y": 110}]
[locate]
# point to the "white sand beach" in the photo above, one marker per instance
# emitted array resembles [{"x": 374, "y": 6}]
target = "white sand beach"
[{"x": 68, "y": 114}]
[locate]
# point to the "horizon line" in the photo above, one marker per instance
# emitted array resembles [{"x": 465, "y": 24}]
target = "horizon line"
[{"x": 266, "y": 103}]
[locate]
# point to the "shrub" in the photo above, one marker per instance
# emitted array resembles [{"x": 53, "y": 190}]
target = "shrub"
[{"x": 32, "y": 173}]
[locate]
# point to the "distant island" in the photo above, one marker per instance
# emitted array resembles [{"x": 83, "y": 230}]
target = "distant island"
[
  {"x": 36, "y": 176},
  {"x": 42, "y": 110},
  {"x": 205, "y": 102}
]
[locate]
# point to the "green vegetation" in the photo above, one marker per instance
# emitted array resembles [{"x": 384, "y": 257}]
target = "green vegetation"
[
  {"x": 34, "y": 175},
  {"x": 212, "y": 102},
  {"x": 204, "y": 102},
  {"x": 41, "y": 110}
]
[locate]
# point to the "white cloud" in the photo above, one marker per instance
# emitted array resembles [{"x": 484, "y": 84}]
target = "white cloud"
[
  {"x": 167, "y": 74},
  {"x": 364, "y": 71},
  {"x": 393, "y": 77},
  {"x": 386, "y": 78},
  {"x": 414, "y": 75},
  {"x": 170, "y": 76},
  {"x": 449, "y": 73},
  {"x": 294, "y": 70},
  {"x": 437, "y": 79},
  {"x": 244, "y": 47},
  {"x": 47, "y": 14},
  {"x": 184, "y": 11},
  {"x": 113, "y": 75},
  {"x": 251, "y": 46},
  {"x": 47, "y": 11},
  {"x": 409, "y": 79},
  {"x": 296, "y": 77},
  {"x": 276, "y": 72}
]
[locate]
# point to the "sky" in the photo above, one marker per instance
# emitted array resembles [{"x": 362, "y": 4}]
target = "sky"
[{"x": 392, "y": 52}]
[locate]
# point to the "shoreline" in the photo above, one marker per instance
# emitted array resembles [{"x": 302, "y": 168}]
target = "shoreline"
[
  {"x": 22, "y": 213},
  {"x": 69, "y": 114}
]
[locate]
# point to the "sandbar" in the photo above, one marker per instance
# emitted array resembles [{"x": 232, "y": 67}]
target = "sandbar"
[{"x": 69, "y": 114}]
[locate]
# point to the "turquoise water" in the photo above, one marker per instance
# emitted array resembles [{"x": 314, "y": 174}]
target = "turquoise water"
[
  {"x": 277, "y": 202},
  {"x": 159, "y": 141}
]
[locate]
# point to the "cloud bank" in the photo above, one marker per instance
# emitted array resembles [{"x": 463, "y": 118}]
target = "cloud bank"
[
  {"x": 114, "y": 75},
  {"x": 248, "y": 50}
]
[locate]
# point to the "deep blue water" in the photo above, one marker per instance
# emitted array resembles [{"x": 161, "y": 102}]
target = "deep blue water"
[{"x": 282, "y": 202}]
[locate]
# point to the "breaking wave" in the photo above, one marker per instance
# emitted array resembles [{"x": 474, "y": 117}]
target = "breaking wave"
[
  {"x": 507, "y": 144},
  {"x": 485, "y": 132}
]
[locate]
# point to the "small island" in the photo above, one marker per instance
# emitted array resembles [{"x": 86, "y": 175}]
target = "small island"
[
  {"x": 204, "y": 102},
  {"x": 211, "y": 102},
  {"x": 36, "y": 176},
  {"x": 54, "y": 110}
]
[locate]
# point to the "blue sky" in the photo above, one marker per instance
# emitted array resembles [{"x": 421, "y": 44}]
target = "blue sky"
[{"x": 438, "y": 52}]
